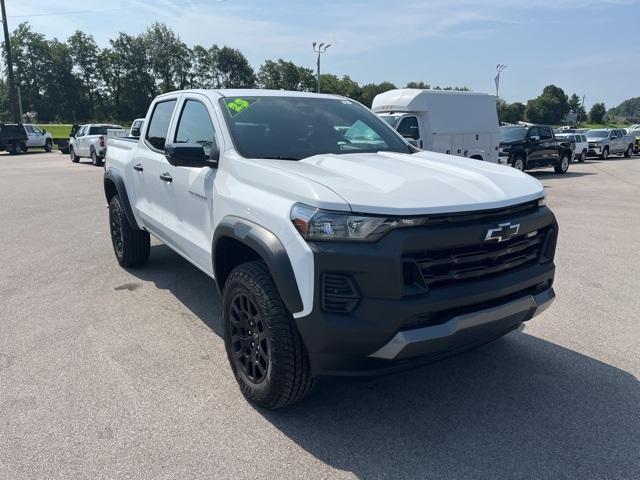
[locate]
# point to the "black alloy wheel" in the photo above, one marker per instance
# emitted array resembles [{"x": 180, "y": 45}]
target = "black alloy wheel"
[{"x": 249, "y": 338}]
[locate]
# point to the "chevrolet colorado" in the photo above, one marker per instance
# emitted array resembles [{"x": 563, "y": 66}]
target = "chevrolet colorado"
[{"x": 337, "y": 246}]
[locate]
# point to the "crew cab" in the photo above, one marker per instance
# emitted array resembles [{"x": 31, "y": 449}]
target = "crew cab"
[
  {"x": 606, "y": 141},
  {"x": 338, "y": 247},
  {"x": 528, "y": 146},
  {"x": 89, "y": 141}
]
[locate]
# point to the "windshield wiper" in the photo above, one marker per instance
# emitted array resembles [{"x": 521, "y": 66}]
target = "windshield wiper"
[{"x": 280, "y": 157}]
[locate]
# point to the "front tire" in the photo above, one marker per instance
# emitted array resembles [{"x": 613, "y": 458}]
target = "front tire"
[
  {"x": 73, "y": 156},
  {"x": 131, "y": 246},
  {"x": 628, "y": 152},
  {"x": 563, "y": 164},
  {"x": 48, "y": 146},
  {"x": 605, "y": 153},
  {"x": 264, "y": 347}
]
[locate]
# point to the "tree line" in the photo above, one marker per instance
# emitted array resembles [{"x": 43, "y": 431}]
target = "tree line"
[
  {"x": 78, "y": 81},
  {"x": 550, "y": 107}
]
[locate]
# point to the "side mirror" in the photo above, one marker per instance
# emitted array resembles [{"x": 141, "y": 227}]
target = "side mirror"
[
  {"x": 44, "y": 131},
  {"x": 190, "y": 155},
  {"x": 534, "y": 138},
  {"x": 135, "y": 132}
]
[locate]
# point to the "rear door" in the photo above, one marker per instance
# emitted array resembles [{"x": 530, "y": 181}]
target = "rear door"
[
  {"x": 146, "y": 165},
  {"x": 409, "y": 127}
]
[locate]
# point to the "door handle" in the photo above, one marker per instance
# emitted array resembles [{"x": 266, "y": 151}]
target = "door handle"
[
  {"x": 165, "y": 177},
  {"x": 138, "y": 167}
]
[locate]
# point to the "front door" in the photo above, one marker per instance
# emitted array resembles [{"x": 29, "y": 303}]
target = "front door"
[
  {"x": 534, "y": 144},
  {"x": 35, "y": 136},
  {"x": 410, "y": 128},
  {"x": 188, "y": 198}
]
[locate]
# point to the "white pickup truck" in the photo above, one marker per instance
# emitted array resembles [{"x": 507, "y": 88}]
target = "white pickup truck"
[
  {"x": 337, "y": 246},
  {"x": 90, "y": 142}
]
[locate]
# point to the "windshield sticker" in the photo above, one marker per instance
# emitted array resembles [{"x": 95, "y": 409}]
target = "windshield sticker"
[{"x": 239, "y": 105}]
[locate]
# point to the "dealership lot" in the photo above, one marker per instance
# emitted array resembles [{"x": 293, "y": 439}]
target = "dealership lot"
[{"x": 107, "y": 373}]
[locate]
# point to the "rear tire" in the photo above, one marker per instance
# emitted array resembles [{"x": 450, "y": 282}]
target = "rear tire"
[
  {"x": 583, "y": 157},
  {"x": 15, "y": 148},
  {"x": 73, "y": 156},
  {"x": 605, "y": 153},
  {"x": 519, "y": 163},
  {"x": 628, "y": 151},
  {"x": 95, "y": 159},
  {"x": 264, "y": 347},
  {"x": 563, "y": 164},
  {"x": 131, "y": 246}
]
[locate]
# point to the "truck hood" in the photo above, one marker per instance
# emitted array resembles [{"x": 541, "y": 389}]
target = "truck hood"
[{"x": 426, "y": 182}]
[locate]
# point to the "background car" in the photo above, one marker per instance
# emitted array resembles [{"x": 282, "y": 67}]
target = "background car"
[{"x": 580, "y": 145}]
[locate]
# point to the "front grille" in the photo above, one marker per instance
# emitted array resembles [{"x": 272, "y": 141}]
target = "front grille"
[{"x": 446, "y": 266}]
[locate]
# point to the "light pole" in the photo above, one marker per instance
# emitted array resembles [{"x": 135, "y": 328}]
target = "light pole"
[
  {"x": 320, "y": 49},
  {"x": 499, "y": 68},
  {"x": 12, "y": 83}
]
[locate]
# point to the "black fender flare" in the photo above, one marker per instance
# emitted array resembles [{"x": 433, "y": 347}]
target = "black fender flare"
[
  {"x": 270, "y": 249},
  {"x": 113, "y": 177}
]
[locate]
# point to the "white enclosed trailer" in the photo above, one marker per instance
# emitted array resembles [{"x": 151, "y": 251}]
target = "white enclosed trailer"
[{"x": 456, "y": 123}]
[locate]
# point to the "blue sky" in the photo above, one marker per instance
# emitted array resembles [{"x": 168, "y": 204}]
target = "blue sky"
[{"x": 590, "y": 47}]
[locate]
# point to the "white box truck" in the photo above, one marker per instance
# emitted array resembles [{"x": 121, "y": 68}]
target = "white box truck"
[{"x": 455, "y": 123}]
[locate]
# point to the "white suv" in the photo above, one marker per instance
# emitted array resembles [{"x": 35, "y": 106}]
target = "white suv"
[{"x": 337, "y": 246}]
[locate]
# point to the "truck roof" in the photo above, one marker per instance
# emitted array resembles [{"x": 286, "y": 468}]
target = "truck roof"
[
  {"x": 418, "y": 100},
  {"x": 250, "y": 92}
]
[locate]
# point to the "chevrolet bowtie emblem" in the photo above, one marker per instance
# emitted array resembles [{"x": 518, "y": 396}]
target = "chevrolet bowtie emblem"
[{"x": 505, "y": 231}]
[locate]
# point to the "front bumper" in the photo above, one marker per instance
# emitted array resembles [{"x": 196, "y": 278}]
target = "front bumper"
[
  {"x": 594, "y": 151},
  {"x": 468, "y": 329},
  {"x": 392, "y": 328}
]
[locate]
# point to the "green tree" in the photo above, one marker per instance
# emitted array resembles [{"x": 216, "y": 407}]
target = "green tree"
[
  {"x": 284, "y": 75},
  {"x": 550, "y": 107},
  {"x": 597, "y": 113},
  {"x": 510, "y": 112},
  {"x": 233, "y": 69},
  {"x": 84, "y": 53},
  {"x": 370, "y": 90},
  {"x": 420, "y": 85}
]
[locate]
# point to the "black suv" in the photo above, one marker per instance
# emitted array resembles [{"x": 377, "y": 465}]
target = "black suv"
[{"x": 533, "y": 146}]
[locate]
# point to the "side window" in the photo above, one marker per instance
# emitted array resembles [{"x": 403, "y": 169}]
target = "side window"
[
  {"x": 159, "y": 124},
  {"x": 80, "y": 132},
  {"x": 195, "y": 126},
  {"x": 29, "y": 128},
  {"x": 534, "y": 132},
  {"x": 409, "y": 128},
  {"x": 545, "y": 133}
]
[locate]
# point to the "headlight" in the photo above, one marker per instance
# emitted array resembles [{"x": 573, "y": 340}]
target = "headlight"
[
  {"x": 542, "y": 202},
  {"x": 316, "y": 224}
]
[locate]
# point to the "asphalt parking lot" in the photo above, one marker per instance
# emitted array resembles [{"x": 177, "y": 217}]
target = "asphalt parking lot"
[{"x": 108, "y": 373}]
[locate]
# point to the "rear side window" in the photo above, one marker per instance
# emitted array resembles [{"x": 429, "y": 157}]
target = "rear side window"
[
  {"x": 409, "y": 128},
  {"x": 195, "y": 126},
  {"x": 545, "y": 133},
  {"x": 159, "y": 124}
]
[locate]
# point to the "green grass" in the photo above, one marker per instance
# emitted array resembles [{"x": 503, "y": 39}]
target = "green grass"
[{"x": 56, "y": 130}]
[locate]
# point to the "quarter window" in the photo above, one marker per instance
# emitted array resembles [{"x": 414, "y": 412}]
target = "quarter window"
[
  {"x": 195, "y": 126},
  {"x": 159, "y": 124}
]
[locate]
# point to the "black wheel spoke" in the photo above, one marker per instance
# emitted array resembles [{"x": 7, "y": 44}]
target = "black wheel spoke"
[{"x": 248, "y": 336}]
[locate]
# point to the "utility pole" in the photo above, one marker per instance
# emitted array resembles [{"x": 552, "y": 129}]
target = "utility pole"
[
  {"x": 499, "y": 68},
  {"x": 322, "y": 48},
  {"x": 12, "y": 84}
]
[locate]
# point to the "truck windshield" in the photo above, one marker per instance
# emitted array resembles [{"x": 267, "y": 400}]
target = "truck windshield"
[
  {"x": 512, "y": 134},
  {"x": 390, "y": 119},
  {"x": 597, "y": 134},
  {"x": 293, "y": 128}
]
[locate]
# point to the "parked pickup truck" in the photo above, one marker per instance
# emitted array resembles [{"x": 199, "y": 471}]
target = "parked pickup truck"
[
  {"x": 526, "y": 147},
  {"x": 337, "y": 246},
  {"x": 90, "y": 141},
  {"x": 606, "y": 141},
  {"x": 19, "y": 138}
]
